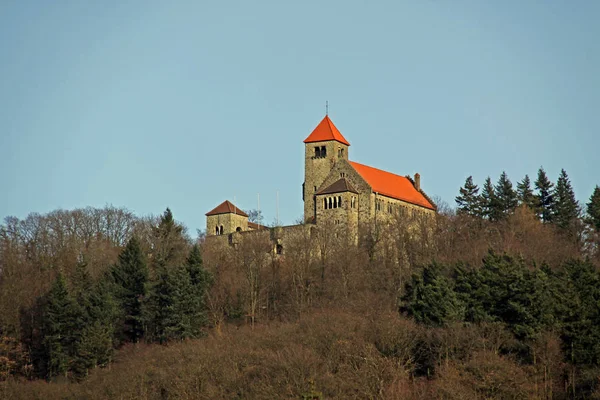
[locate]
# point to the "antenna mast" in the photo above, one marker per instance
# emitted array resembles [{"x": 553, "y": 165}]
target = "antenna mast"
[{"x": 326, "y": 107}]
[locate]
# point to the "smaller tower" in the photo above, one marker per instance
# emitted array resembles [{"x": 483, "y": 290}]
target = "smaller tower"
[{"x": 226, "y": 218}]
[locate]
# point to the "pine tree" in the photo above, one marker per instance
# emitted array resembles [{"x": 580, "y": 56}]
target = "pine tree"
[
  {"x": 593, "y": 210},
  {"x": 130, "y": 275},
  {"x": 490, "y": 207},
  {"x": 506, "y": 196},
  {"x": 566, "y": 208},
  {"x": 545, "y": 200},
  {"x": 169, "y": 243},
  {"x": 61, "y": 325},
  {"x": 525, "y": 194},
  {"x": 468, "y": 202},
  {"x": 429, "y": 298}
]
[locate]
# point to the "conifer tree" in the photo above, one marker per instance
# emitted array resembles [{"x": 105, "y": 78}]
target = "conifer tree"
[
  {"x": 505, "y": 195},
  {"x": 429, "y": 298},
  {"x": 489, "y": 202},
  {"x": 593, "y": 210},
  {"x": 525, "y": 194},
  {"x": 468, "y": 201},
  {"x": 169, "y": 243},
  {"x": 130, "y": 275},
  {"x": 62, "y": 323},
  {"x": 545, "y": 200},
  {"x": 566, "y": 208}
]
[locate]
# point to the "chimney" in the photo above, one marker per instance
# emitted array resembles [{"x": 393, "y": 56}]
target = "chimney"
[{"x": 418, "y": 181}]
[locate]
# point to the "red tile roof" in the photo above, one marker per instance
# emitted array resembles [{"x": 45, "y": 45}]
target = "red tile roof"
[
  {"x": 325, "y": 131},
  {"x": 226, "y": 207},
  {"x": 391, "y": 185}
]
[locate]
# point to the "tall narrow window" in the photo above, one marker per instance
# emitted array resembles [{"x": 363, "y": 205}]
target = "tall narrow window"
[
  {"x": 317, "y": 152},
  {"x": 339, "y": 201},
  {"x": 216, "y": 230},
  {"x": 325, "y": 204},
  {"x": 221, "y": 230},
  {"x": 323, "y": 151},
  {"x": 330, "y": 203},
  {"x": 335, "y": 202}
]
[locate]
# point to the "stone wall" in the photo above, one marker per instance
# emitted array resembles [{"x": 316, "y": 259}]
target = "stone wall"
[
  {"x": 316, "y": 170},
  {"x": 230, "y": 222}
]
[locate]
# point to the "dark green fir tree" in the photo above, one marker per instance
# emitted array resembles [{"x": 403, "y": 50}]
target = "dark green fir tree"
[
  {"x": 593, "y": 210},
  {"x": 62, "y": 324},
  {"x": 545, "y": 199},
  {"x": 525, "y": 194},
  {"x": 566, "y": 208},
  {"x": 130, "y": 276},
  {"x": 490, "y": 207},
  {"x": 468, "y": 202},
  {"x": 506, "y": 196}
]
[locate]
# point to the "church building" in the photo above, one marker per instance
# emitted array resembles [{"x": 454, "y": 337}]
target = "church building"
[{"x": 337, "y": 191}]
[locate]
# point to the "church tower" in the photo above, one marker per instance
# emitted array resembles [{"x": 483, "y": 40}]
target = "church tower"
[{"x": 322, "y": 149}]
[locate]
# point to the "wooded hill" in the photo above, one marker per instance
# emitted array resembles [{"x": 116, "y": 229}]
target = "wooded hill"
[{"x": 501, "y": 301}]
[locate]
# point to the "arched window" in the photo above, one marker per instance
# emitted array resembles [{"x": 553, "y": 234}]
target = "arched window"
[
  {"x": 323, "y": 151},
  {"x": 279, "y": 249},
  {"x": 330, "y": 203},
  {"x": 216, "y": 230},
  {"x": 238, "y": 229},
  {"x": 221, "y": 230},
  {"x": 325, "y": 203},
  {"x": 317, "y": 152},
  {"x": 339, "y": 201},
  {"x": 335, "y": 202}
]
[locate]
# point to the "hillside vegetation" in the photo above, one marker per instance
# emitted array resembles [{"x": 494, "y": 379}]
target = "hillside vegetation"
[{"x": 498, "y": 299}]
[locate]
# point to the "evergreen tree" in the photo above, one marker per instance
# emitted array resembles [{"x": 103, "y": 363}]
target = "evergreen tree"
[
  {"x": 566, "y": 208},
  {"x": 468, "y": 202},
  {"x": 130, "y": 275},
  {"x": 490, "y": 207},
  {"x": 505, "y": 195},
  {"x": 95, "y": 347},
  {"x": 525, "y": 194},
  {"x": 429, "y": 298},
  {"x": 201, "y": 280},
  {"x": 61, "y": 325},
  {"x": 593, "y": 210},
  {"x": 169, "y": 243},
  {"x": 545, "y": 200}
]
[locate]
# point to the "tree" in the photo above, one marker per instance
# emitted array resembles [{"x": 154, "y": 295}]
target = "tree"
[
  {"x": 489, "y": 201},
  {"x": 545, "y": 199},
  {"x": 566, "y": 208},
  {"x": 505, "y": 195},
  {"x": 593, "y": 210},
  {"x": 169, "y": 245},
  {"x": 131, "y": 277},
  {"x": 468, "y": 201},
  {"x": 429, "y": 298},
  {"x": 525, "y": 194},
  {"x": 61, "y": 325},
  {"x": 255, "y": 216}
]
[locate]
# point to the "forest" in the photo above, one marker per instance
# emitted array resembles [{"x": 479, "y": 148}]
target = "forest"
[{"x": 497, "y": 298}]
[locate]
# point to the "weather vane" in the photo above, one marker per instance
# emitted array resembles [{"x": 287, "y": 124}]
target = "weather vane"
[{"x": 326, "y": 107}]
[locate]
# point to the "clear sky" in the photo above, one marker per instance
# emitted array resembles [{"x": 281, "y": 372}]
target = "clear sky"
[{"x": 148, "y": 104}]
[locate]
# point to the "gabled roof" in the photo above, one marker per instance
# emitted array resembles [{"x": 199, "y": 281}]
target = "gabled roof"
[
  {"x": 326, "y": 131},
  {"x": 339, "y": 186},
  {"x": 255, "y": 226},
  {"x": 391, "y": 185},
  {"x": 226, "y": 207}
]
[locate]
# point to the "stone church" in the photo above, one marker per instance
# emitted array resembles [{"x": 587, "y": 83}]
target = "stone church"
[{"x": 337, "y": 191}]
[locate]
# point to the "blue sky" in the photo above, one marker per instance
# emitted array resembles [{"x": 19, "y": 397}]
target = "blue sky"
[{"x": 149, "y": 104}]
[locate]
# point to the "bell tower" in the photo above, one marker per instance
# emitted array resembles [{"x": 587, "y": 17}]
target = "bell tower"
[{"x": 322, "y": 149}]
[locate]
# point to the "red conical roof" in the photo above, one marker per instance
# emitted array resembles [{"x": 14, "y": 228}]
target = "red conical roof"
[{"x": 325, "y": 131}]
